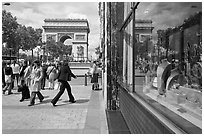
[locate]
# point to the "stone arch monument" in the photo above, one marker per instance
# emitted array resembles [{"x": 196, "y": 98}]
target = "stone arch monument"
[{"x": 70, "y": 32}]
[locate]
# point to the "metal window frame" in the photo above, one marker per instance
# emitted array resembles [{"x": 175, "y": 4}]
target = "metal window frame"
[{"x": 124, "y": 24}]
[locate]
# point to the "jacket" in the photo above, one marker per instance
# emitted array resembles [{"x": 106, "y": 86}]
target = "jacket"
[{"x": 65, "y": 73}]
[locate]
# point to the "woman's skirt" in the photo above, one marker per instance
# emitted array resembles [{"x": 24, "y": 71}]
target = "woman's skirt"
[{"x": 94, "y": 78}]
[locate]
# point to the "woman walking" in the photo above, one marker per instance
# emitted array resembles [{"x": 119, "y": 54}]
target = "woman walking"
[
  {"x": 52, "y": 73},
  {"x": 22, "y": 71},
  {"x": 27, "y": 74},
  {"x": 94, "y": 78},
  {"x": 64, "y": 75},
  {"x": 36, "y": 83}
]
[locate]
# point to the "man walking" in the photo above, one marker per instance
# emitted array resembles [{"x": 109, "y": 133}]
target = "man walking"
[
  {"x": 43, "y": 81},
  {"x": 8, "y": 79},
  {"x": 64, "y": 75}
]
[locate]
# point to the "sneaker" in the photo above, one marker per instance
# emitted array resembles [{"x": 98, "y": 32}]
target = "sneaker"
[
  {"x": 31, "y": 105},
  {"x": 21, "y": 100}
]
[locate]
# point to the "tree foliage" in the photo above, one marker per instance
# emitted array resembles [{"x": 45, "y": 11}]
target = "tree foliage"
[
  {"x": 9, "y": 26},
  {"x": 17, "y": 36},
  {"x": 58, "y": 48}
]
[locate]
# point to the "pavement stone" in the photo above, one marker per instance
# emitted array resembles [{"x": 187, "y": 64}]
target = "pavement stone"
[{"x": 66, "y": 118}]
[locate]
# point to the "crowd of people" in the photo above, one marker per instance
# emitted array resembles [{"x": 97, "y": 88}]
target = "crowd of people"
[{"x": 30, "y": 78}]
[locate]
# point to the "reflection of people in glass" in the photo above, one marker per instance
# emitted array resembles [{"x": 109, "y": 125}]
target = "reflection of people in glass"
[{"x": 164, "y": 71}]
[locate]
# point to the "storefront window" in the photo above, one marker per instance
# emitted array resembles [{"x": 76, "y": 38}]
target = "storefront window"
[
  {"x": 127, "y": 50},
  {"x": 174, "y": 47},
  {"x": 168, "y": 66},
  {"x": 193, "y": 61},
  {"x": 127, "y": 36}
]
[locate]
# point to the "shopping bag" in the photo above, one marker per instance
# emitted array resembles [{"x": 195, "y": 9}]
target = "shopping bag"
[
  {"x": 8, "y": 78},
  {"x": 57, "y": 86}
]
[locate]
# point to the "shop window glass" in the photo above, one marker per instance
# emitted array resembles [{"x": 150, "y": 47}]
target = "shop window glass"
[
  {"x": 127, "y": 53},
  {"x": 168, "y": 67},
  {"x": 193, "y": 51},
  {"x": 174, "y": 47},
  {"x": 127, "y": 8}
]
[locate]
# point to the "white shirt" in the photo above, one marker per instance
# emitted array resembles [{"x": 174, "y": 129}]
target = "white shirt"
[{"x": 16, "y": 68}]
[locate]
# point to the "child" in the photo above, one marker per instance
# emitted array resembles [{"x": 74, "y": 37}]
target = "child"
[{"x": 25, "y": 91}]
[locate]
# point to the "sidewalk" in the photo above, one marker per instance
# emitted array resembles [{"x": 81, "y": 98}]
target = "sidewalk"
[{"x": 86, "y": 116}]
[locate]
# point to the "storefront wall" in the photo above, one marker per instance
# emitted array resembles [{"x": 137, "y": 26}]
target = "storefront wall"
[
  {"x": 139, "y": 118},
  {"x": 145, "y": 97},
  {"x": 139, "y": 75}
]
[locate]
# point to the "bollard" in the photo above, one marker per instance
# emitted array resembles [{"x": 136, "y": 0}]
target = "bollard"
[{"x": 85, "y": 80}]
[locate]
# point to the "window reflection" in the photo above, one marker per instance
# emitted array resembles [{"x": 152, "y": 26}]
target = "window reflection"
[
  {"x": 127, "y": 56},
  {"x": 168, "y": 54}
]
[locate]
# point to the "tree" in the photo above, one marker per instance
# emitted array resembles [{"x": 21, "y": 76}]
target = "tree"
[
  {"x": 52, "y": 48},
  {"x": 68, "y": 49},
  {"x": 23, "y": 36},
  {"x": 9, "y": 26}
]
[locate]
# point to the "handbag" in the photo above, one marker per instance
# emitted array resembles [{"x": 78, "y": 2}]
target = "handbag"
[
  {"x": 8, "y": 79},
  {"x": 48, "y": 74},
  {"x": 57, "y": 86}
]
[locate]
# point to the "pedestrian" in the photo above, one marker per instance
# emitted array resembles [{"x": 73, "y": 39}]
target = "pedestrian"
[
  {"x": 94, "y": 78},
  {"x": 3, "y": 74},
  {"x": 64, "y": 75},
  {"x": 90, "y": 71},
  {"x": 36, "y": 83},
  {"x": 27, "y": 74},
  {"x": 52, "y": 73},
  {"x": 44, "y": 70},
  {"x": 22, "y": 71},
  {"x": 8, "y": 79},
  {"x": 16, "y": 70},
  {"x": 57, "y": 84},
  {"x": 23, "y": 88}
]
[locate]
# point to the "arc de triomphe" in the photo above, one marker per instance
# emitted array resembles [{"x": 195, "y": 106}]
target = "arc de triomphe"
[{"x": 70, "y": 32}]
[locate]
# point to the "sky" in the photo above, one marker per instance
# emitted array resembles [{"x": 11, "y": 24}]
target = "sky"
[
  {"x": 163, "y": 14},
  {"x": 34, "y": 13},
  {"x": 167, "y": 14}
]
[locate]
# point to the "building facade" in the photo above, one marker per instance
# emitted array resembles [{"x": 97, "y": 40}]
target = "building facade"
[
  {"x": 74, "y": 32},
  {"x": 149, "y": 62}
]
